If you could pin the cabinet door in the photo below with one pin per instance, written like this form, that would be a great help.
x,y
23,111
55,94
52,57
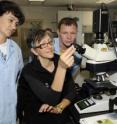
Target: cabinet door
x,y
87,18
87,21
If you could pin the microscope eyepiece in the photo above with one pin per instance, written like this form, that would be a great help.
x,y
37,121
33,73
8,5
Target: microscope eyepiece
x,y
79,49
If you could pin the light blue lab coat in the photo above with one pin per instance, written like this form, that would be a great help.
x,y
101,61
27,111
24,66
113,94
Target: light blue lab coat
x,y
9,70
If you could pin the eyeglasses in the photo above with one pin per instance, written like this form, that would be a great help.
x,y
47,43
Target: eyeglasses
x,y
44,45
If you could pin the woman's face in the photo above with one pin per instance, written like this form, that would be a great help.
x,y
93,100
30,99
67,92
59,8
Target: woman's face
x,y
45,47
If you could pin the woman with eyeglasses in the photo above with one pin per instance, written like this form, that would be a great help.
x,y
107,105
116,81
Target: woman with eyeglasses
x,y
46,87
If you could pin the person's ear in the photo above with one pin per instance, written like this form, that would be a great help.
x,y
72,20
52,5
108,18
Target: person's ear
x,y
34,51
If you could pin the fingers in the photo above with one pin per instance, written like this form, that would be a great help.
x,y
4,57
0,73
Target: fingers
x,y
67,59
56,110
51,109
70,51
45,108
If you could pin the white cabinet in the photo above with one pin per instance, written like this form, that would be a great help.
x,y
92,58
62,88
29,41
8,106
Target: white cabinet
x,y
87,18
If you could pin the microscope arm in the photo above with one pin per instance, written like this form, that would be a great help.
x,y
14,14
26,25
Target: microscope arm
x,y
97,55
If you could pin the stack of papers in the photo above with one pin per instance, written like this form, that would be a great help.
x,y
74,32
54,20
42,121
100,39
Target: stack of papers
x,y
110,118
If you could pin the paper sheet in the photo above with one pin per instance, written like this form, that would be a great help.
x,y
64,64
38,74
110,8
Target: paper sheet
x,y
110,118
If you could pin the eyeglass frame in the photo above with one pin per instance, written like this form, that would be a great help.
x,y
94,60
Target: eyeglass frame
x,y
41,46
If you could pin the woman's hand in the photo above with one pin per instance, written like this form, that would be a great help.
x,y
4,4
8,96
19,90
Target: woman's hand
x,y
67,58
56,110
45,108
50,109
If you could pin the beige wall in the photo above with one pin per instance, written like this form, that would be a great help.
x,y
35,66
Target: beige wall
x,y
47,15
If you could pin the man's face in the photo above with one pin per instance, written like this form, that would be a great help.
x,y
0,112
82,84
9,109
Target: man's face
x,y
67,35
8,24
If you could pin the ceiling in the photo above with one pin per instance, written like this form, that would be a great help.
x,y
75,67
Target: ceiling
x,y
63,3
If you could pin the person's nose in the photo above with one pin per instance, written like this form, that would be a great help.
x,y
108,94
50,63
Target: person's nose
x,y
14,26
69,36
